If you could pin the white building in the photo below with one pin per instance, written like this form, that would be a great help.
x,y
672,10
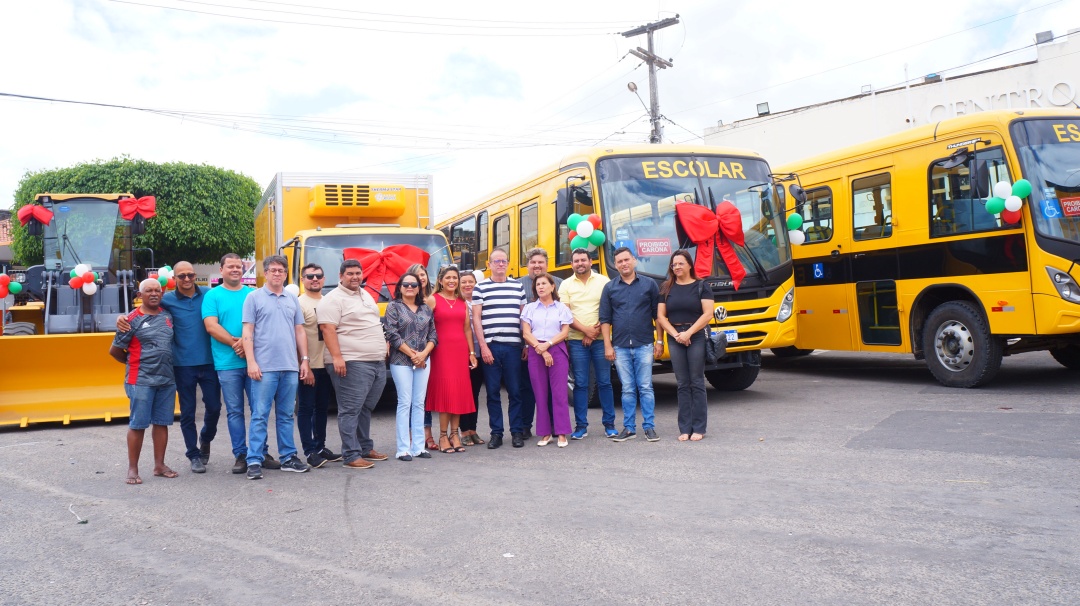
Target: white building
x,y
1052,80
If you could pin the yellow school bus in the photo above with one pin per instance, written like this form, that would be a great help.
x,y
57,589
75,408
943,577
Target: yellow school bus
x,y
904,253
634,190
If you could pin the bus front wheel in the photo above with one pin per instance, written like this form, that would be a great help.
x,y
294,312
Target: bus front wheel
x,y
960,351
733,379
1068,356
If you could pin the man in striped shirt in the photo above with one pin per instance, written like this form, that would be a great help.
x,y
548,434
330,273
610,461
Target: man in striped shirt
x,y
497,304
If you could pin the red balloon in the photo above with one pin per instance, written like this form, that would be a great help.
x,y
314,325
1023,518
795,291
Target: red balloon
x,y
171,284
1011,216
595,220
5,279
153,276
573,234
88,277
3,291
76,282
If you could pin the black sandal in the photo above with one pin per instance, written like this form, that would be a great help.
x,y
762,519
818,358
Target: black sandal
x,y
454,434
449,449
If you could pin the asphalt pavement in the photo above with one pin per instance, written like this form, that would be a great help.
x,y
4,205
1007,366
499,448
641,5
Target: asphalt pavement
x,y
838,478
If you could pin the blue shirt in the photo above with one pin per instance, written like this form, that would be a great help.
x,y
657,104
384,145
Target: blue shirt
x,y
275,317
228,307
630,310
191,342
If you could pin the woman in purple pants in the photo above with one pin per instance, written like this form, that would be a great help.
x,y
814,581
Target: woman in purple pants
x,y
545,324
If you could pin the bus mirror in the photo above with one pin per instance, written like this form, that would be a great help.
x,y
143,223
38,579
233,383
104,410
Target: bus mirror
x,y
958,158
138,225
467,261
798,193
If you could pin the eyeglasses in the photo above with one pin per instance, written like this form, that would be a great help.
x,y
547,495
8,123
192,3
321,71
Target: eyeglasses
x,y
313,276
499,262
275,270
185,276
410,285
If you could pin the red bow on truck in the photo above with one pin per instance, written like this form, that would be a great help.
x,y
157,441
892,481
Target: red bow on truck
x,y
34,211
386,266
145,206
708,230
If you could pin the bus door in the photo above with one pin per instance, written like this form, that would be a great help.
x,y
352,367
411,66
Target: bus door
x,y
822,272
874,308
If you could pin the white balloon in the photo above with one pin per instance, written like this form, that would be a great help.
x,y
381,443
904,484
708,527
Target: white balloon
x,y
292,288
591,247
479,275
165,273
585,229
1014,203
1002,189
90,288
81,269
796,236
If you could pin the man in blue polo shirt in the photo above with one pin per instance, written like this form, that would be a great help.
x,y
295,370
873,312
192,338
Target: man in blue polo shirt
x,y
627,314
275,346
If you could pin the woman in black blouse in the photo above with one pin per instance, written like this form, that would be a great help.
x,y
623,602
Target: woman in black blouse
x,y
410,329
686,307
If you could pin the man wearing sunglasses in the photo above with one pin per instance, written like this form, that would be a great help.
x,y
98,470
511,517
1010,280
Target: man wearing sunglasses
x,y
316,391
193,364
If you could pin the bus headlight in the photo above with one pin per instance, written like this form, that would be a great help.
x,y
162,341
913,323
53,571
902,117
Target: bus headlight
x,y
786,306
1065,285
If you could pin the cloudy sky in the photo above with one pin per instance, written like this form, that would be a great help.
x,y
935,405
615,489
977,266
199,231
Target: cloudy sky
x,y
476,93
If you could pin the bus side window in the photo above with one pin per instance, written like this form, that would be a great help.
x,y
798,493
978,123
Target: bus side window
x,y
463,235
817,215
582,204
482,241
871,199
958,194
501,234
528,225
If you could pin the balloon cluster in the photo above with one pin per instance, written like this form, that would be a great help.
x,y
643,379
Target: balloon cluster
x,y
9,287
82,277
1008,200
795,233
292,288
585,231
165,278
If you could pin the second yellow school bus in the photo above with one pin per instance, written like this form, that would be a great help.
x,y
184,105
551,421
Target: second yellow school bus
x,y
902,254
634,190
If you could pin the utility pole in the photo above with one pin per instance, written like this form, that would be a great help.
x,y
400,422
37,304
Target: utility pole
x,y
649,57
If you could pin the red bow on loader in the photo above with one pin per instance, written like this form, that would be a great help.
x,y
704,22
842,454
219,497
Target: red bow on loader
x,y
145,206
33,211
708,230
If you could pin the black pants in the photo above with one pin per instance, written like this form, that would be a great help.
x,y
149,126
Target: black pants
x,y
468,421
688,362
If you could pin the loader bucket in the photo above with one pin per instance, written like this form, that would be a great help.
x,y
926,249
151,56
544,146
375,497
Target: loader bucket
x,y
65,378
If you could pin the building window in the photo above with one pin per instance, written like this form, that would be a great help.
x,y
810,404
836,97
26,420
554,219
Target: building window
x,y
871,201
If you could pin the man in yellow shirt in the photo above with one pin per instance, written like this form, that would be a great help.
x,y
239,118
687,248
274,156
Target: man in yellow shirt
x,y
582,294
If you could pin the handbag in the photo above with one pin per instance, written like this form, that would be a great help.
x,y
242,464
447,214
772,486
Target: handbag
x,y
715,346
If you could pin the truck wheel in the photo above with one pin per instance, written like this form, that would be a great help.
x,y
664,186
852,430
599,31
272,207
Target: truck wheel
x,y
19,328
732,379
790,352
1068,356
960,351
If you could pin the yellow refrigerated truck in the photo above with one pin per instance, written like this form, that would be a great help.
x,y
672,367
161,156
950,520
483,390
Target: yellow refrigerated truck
x,y
313,217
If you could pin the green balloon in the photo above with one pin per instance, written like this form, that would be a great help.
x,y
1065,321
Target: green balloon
x,y
579,242
597,237
573,220
15,288
73,274
1022,188
994,206
794,222
162,280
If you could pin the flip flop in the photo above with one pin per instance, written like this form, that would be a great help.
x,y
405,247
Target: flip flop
x,y
134,480
168,473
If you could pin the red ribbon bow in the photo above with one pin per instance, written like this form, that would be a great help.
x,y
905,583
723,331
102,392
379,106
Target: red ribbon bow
x,y
386,266
34,211
708,230
145,206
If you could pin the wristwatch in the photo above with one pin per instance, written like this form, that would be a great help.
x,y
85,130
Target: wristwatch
x,y
302,358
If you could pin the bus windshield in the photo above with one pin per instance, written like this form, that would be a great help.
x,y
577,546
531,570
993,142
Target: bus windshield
x,y
639,195
1049,151
327,250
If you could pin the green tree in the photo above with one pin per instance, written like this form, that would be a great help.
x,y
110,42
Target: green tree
x,y
203,211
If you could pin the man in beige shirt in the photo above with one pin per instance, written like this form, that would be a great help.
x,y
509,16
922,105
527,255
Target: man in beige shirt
x,y
355,349
316,390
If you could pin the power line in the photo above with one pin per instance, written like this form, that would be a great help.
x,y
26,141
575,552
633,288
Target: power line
x,y
346,10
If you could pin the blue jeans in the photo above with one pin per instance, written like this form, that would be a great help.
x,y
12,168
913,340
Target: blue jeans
x,y
234,385
277,389
581,359
504,370
312,404
411,392
634,365
187,379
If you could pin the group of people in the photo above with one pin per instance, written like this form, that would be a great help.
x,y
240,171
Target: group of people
x,y
294,355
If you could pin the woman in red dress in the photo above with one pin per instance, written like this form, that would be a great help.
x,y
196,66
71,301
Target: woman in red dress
x,y
451,360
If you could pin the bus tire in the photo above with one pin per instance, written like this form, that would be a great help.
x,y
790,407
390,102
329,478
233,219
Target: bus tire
x,y
1068,356
960,351
732,379
790,352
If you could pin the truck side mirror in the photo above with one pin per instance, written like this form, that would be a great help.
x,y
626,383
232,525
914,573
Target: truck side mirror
x,y
138,225
467,260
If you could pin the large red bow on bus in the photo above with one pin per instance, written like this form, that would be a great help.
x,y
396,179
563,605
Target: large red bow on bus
x,y
34,211
708,230
386,266
145,206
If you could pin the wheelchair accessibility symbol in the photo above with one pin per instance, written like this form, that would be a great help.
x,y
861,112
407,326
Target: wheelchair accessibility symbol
x,y
819,271
1051,208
